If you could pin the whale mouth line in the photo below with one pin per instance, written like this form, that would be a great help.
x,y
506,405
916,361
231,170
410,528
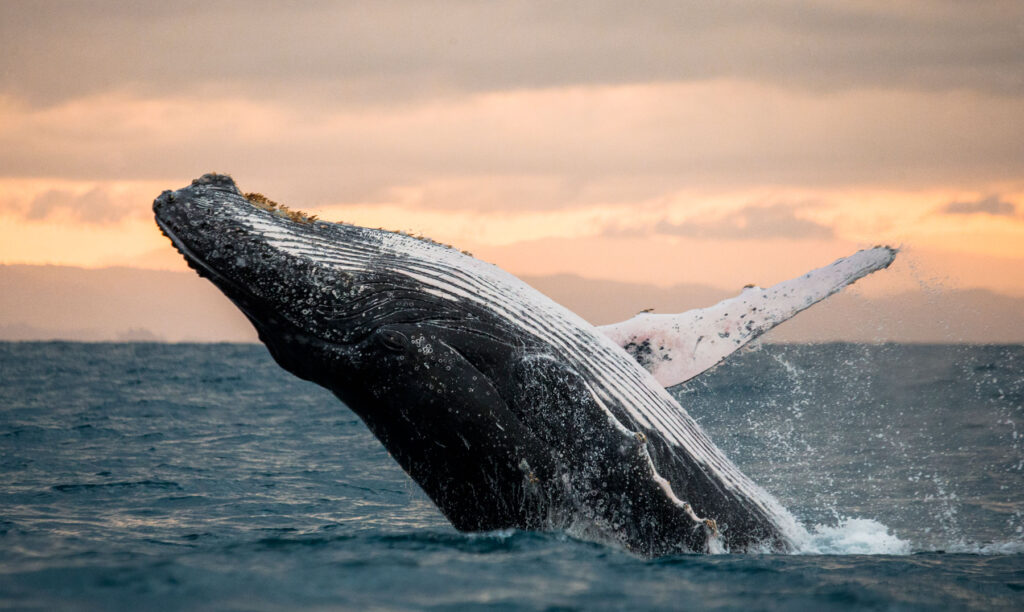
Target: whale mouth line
x,y
204,269
194,261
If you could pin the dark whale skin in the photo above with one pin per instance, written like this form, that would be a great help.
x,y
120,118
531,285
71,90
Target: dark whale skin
x,y
500,408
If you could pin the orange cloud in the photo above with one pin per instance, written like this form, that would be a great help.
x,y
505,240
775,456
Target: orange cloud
x,y
699,166
611,240
991,205
557,147
776,221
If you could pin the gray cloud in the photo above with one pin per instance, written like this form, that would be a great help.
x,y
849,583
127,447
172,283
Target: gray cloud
x,y
992,205
749,223
537,149
93,206
392,51
323,103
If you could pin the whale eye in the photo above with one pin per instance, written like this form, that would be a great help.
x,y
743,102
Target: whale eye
x,y
394,340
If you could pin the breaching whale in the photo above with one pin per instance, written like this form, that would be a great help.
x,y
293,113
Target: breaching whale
x,y
507,409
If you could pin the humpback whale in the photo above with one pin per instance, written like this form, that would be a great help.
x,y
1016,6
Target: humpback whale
x,y
507,409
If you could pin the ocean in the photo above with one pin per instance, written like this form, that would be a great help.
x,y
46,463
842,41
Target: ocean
x,y
204,477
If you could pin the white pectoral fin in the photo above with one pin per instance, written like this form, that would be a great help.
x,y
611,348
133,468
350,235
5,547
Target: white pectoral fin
x,y
675,348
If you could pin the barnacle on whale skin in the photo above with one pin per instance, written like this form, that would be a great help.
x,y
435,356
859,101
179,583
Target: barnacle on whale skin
x,y
261,201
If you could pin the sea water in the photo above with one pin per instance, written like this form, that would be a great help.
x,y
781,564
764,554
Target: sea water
x,y
204,477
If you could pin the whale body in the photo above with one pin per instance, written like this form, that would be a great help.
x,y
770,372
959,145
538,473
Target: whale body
x,y
507,409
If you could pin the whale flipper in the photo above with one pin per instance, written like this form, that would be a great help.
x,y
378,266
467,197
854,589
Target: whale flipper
x,y
677,347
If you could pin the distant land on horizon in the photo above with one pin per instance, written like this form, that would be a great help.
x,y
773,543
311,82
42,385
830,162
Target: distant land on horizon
x,y
131,304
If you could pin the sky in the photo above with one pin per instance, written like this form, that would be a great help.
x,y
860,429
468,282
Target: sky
x,y
720,143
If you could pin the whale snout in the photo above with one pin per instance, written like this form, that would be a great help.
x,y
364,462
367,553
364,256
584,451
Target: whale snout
x,y
161,203
169,210
188,213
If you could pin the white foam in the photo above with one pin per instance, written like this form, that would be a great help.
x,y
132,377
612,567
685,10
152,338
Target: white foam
x,y
858,536
854,536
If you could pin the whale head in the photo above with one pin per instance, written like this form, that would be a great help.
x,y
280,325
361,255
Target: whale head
x,y
376,317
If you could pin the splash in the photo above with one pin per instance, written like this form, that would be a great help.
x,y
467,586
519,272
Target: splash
x,y
854,536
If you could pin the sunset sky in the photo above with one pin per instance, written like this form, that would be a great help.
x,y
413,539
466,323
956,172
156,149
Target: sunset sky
x,y
666,142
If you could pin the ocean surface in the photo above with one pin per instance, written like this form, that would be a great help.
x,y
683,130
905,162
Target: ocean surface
x,y
204,477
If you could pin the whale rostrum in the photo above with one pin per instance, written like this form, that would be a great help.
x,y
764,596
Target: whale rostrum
x,y
507,409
